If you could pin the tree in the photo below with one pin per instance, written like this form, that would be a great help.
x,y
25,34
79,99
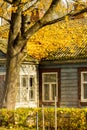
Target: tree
x,y
26,18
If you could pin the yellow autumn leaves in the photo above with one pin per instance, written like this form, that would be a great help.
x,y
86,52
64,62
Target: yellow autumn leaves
x,y
66,34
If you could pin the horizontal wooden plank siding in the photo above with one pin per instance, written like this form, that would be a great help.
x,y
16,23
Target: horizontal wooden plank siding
x,y
69,87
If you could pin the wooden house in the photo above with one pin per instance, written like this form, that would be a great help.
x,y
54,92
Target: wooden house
x,y
64,75
60,75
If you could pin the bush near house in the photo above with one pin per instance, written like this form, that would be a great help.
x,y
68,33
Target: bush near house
x,y
26,118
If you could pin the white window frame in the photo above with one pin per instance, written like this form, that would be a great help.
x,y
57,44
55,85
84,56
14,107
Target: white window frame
x,y
27,87
50,86
32,89
82,86
21,88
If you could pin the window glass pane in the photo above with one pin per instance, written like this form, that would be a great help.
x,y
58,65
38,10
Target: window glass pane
x,y
85,91
24,80
46,91
24,88
31,82
85,76
31,95
53,91
50,77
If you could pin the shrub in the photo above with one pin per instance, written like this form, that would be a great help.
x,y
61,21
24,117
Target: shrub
x,y
67,118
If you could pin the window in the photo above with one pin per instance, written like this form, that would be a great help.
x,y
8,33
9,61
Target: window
x,y
24,88
24,80
49,86
84,86
31,89
27,88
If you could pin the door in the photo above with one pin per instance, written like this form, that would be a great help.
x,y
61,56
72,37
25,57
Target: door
x,y
27,88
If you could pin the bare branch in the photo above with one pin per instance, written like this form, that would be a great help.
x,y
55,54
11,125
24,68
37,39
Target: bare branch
x,y
50,13
79,12
32,30
8,1
67,5
28,5
44,21
63,17
40,22
52,5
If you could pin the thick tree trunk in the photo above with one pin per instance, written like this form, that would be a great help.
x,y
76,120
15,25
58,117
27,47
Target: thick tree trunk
x,y
15,48
11,83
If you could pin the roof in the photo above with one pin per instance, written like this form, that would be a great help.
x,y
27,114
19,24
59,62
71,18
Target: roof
x,y
61,56
65,55
30,59
80,53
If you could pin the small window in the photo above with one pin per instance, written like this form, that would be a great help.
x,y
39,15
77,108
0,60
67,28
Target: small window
x,y
49,86
84,86
24,80
32,87
27,88
31,81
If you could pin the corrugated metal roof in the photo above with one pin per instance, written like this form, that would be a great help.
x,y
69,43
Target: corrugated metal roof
x,y
79,54
60,54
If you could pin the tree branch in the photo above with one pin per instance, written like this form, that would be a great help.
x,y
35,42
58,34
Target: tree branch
x,y
8,1
38,24
52,5
79,12
63,17
44,21
28,5
50,13
32,30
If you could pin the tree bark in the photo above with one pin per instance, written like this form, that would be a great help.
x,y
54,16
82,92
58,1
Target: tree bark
x,y
16,45
11,83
